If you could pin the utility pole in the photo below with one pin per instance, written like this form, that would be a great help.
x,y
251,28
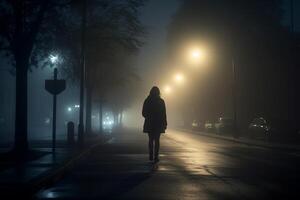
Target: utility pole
x,y
82,74
54,116
236,133
292,16
54,87
294,66
234,100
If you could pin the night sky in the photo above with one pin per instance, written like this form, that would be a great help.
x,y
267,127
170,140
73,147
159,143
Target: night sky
x,y
156,15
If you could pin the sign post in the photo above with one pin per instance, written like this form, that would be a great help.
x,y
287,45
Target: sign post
x,y
54,87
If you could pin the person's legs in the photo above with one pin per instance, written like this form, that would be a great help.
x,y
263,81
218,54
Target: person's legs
x,y
150,145
156,148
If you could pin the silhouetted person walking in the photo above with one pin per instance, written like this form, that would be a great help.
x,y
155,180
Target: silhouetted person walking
x,y
154,112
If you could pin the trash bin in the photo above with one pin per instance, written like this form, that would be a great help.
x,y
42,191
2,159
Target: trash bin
x,y
71,134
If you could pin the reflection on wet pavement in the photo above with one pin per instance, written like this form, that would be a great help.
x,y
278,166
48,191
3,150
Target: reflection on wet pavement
x,y
191,167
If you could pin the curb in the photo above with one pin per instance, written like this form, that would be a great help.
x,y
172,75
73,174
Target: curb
x,y
49,177
270,146
55,174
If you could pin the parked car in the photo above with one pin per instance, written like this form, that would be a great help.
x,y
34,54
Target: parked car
x,y
224,125
272,129
197,125
209,126
259,129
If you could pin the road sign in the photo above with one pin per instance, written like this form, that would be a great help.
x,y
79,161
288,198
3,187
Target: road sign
x,y
55,86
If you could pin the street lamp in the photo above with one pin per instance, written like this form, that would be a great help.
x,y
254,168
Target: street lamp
x,y
53,58
234,100
179,78
167,89
196,55
82,73
69,109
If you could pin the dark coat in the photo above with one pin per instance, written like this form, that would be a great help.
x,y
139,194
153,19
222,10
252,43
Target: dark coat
x,y
154,112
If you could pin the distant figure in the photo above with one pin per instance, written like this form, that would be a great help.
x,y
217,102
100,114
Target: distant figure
x,y
154,112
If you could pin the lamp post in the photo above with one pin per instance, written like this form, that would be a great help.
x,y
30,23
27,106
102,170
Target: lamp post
x,y
234,102
196,55
294,66
82,74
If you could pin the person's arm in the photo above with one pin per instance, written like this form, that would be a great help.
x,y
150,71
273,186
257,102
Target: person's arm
x,y
165,115
145,109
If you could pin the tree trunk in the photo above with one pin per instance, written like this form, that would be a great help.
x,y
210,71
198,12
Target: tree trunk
x,y
21,140
22,45
88,119
100,117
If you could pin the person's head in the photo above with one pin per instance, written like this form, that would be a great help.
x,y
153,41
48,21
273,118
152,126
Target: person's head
x,y
154,92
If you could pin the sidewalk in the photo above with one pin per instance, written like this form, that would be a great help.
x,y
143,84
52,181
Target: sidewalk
x,y
25,178
247,141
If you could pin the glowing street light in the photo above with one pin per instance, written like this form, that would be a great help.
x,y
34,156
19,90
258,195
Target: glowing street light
x,y
179,78
167,89
69,109
53,58
196,55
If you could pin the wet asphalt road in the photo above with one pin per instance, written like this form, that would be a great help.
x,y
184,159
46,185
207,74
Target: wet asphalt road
x,y
191,167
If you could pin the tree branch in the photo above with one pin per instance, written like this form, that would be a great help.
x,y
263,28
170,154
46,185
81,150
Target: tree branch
x,y
32,34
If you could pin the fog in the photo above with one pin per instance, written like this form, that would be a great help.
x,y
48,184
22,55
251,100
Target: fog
x,y
204,94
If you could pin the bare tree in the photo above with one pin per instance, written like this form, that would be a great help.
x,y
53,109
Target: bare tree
x,y
24,38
